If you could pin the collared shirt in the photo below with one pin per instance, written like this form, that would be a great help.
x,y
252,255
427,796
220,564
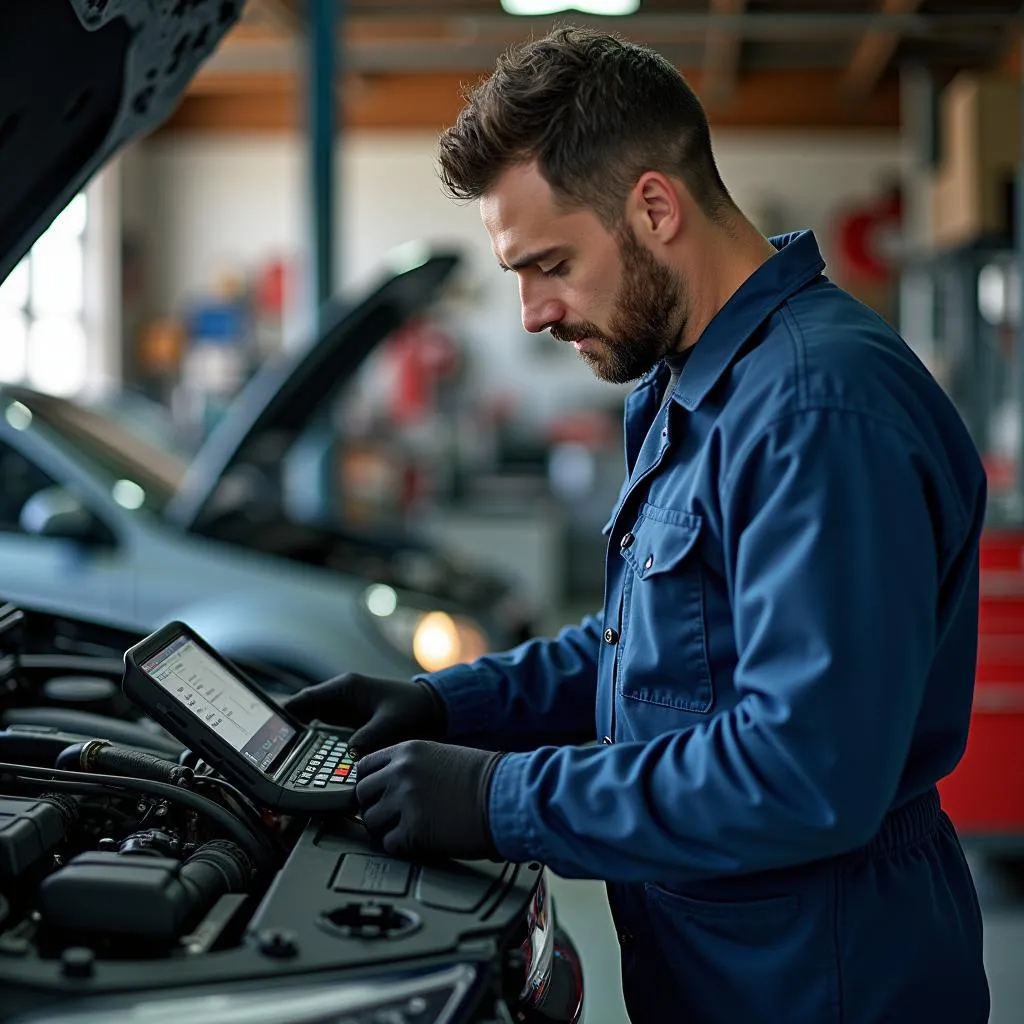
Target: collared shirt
x,y
787,645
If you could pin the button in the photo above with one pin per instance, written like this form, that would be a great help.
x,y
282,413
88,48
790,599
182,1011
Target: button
x,y
319,783
627,539
610,636
649,562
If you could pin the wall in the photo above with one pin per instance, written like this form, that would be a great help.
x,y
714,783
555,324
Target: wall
x,y
216,203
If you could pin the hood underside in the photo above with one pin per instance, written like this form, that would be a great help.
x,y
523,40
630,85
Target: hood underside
x,y
80,79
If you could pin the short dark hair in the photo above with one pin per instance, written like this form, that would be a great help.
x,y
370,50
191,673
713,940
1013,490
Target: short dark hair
x,y
596,112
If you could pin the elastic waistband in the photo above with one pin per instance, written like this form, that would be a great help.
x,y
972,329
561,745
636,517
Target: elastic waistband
x,y
915,820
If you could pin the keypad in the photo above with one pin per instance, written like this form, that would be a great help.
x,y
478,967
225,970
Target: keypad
x,y
330,764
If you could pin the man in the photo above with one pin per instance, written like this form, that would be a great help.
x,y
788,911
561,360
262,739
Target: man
x,y
784,664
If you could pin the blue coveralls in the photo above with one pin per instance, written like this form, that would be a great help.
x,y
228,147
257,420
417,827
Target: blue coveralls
x,y
782,671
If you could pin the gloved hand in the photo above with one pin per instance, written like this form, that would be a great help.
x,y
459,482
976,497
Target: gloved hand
x,y
382,711
427,800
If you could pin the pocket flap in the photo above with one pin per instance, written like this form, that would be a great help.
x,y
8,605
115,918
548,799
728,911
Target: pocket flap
x,y
662,538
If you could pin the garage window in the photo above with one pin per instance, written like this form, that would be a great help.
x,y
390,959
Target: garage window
x,y
42,309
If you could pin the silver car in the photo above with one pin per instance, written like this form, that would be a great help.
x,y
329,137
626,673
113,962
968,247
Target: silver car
x,y
97,522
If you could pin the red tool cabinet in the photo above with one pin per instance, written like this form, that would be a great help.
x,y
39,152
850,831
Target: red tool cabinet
x,y
985,794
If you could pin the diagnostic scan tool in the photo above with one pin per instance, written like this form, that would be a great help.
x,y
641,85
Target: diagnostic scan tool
x,y
209,705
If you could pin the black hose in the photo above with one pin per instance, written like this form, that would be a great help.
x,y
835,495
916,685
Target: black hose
x,y
254,843
103,756
217,868
68,809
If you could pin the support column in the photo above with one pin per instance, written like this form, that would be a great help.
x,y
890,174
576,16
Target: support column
x,y
324,70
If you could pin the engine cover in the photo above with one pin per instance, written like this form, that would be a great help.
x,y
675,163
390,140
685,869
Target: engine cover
x,y
29,830
337,905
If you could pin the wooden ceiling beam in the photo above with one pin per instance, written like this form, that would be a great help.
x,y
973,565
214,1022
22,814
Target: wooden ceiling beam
x,y
721,56
271,102
873,52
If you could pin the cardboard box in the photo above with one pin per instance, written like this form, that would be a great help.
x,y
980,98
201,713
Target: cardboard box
x,y
980,145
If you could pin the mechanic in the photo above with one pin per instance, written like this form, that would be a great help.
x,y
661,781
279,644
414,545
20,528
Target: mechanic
x,y
784,664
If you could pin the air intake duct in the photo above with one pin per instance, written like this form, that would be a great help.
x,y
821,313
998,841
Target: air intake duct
x,y
134,894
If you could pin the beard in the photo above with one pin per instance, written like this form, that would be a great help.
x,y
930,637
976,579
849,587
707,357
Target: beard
x,y
651,310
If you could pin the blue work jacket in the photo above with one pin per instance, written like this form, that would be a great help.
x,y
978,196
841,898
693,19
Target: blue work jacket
x,y
785,654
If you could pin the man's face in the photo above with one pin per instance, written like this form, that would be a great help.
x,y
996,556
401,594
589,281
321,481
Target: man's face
x,y
605,292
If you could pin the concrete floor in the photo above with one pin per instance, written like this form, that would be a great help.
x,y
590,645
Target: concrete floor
x,y
583,911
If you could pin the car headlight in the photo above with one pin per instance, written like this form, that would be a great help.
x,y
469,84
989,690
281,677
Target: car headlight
x,y
425,999
435,639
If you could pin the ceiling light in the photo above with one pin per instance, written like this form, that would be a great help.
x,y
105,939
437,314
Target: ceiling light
x,y
534,7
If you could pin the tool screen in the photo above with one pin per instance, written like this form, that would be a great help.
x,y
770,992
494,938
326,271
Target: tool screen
x,y
220,701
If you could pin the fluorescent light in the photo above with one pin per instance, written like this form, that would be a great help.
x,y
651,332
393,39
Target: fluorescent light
x,y
534,7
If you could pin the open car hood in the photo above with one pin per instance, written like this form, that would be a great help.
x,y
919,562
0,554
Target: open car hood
x,y
80,79
285,394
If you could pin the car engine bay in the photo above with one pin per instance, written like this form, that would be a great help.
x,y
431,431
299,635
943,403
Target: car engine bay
x,y
136,881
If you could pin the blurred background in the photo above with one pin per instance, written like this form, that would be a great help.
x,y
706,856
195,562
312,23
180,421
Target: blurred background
x,y
264,325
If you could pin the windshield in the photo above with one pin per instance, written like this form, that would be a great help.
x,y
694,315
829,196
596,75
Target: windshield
x,y
139,473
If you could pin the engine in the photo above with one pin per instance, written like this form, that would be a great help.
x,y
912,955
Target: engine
x,y
133,876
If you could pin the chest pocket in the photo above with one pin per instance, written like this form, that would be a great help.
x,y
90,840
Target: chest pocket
x,y
664,658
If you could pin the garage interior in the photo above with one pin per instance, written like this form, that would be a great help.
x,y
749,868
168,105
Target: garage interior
x,y
197,295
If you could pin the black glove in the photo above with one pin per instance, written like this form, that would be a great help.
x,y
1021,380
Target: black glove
x,y
427,800
382,711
